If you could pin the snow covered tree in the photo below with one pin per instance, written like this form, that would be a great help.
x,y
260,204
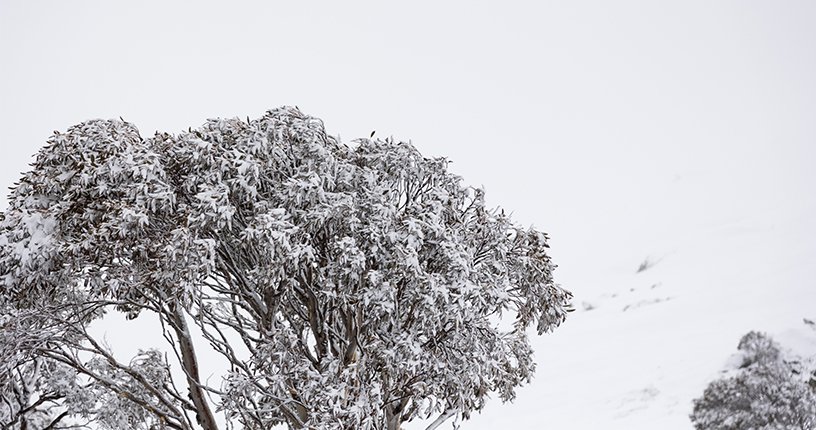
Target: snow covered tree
x,y
766,392
343,286
26,400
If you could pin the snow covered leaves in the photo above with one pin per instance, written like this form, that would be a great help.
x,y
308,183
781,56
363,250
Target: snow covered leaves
x,y
85,209
766,391
344,286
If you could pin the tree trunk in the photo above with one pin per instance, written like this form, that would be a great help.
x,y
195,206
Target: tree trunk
x,y
204,414
393,414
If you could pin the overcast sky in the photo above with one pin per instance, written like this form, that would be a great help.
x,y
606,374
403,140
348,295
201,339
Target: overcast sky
x,y
611,125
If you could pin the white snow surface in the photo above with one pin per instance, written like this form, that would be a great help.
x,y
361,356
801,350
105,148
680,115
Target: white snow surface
x,y
641,346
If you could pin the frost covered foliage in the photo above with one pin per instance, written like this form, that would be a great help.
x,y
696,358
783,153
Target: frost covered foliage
x,y
766,392
26,402
344,287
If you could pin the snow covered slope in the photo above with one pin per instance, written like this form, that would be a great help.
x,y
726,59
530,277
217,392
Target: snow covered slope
x,y
642,345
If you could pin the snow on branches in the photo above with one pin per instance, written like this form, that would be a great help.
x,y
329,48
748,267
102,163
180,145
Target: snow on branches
x,y
344,286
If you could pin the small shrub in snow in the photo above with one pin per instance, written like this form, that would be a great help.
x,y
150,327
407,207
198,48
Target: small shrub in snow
x,y
758,348
766,392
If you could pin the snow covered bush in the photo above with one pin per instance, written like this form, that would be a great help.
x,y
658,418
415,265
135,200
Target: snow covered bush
x,y
758,348
765,392
343,287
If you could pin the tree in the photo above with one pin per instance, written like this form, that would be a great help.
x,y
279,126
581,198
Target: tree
x,y
342,286
765,392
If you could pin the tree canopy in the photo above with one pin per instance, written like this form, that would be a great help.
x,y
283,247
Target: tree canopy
x,y
343,286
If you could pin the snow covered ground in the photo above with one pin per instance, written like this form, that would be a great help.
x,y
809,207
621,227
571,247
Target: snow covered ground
x,y
641,346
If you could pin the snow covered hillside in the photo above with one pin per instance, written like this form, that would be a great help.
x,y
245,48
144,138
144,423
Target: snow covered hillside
x,y
642,346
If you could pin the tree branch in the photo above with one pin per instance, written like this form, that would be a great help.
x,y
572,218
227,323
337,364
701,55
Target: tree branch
x,y
442,418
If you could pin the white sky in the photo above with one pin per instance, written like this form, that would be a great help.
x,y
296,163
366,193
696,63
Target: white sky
x,y
611,125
